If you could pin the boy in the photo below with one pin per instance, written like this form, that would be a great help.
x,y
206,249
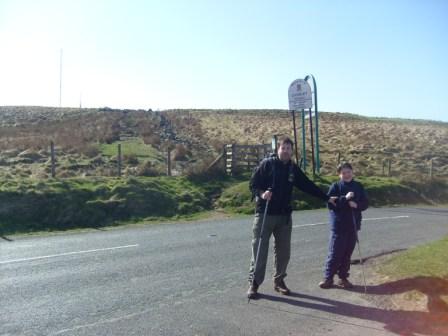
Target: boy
x,y
345,221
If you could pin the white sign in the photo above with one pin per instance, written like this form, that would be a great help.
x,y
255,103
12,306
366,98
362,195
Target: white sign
x,y
300,96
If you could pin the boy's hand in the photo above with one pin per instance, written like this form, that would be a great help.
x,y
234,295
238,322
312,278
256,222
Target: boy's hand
x,y
350,195
332,200
353,204
267,195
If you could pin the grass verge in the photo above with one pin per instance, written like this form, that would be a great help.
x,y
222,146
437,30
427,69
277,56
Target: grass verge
x,y
45,205
29,205
417,280
429,260
381,191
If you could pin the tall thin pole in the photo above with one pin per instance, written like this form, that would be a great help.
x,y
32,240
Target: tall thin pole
x,y
303,141
295,135
316,116
60,79
312,143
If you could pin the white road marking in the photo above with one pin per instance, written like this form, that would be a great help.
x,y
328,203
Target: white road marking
x,y
66,254
364,219
111,320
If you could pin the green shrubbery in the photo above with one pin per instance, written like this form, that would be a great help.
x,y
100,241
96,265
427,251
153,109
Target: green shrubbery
x,y
381,191
28,205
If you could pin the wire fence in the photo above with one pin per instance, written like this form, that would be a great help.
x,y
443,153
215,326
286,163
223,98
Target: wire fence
x,y
120,161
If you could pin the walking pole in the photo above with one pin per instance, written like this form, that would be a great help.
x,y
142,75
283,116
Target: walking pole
x,y
359,251
259,241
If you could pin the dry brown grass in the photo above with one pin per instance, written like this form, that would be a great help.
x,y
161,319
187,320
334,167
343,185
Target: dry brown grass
x,y
364,141
199,135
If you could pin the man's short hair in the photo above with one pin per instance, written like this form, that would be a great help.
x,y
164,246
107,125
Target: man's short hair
x,y
344,165
285,141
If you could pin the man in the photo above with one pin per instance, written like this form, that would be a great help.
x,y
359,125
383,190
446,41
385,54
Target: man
x,y
273,180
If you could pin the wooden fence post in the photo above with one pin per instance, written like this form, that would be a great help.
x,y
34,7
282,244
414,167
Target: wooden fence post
x,y
431,168
168,161
119,160
53,159
234,149
224,156
274,144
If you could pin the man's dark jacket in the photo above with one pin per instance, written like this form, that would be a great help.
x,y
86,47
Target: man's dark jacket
x,y
281,177
343,218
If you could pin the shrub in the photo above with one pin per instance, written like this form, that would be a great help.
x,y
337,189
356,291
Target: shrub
x,y
130,159
90,151
153,140
148,168
180,153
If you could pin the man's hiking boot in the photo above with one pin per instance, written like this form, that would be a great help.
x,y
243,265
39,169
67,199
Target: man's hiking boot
x,y
326,284
344,283
252,292
280,286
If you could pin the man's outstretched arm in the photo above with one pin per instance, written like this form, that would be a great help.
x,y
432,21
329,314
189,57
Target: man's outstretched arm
x,y
302,182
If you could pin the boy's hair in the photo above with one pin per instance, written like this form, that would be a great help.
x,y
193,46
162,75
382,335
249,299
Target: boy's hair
x,y
344,165
285,140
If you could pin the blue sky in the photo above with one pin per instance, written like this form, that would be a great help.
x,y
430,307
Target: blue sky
x,y
376,58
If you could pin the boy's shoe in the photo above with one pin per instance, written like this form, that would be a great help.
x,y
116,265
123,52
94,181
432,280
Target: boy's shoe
x,y
252,292
344,283
280,287
326,284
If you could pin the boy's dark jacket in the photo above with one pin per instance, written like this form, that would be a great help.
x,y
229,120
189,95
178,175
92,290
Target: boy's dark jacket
x,y
273,173
342,215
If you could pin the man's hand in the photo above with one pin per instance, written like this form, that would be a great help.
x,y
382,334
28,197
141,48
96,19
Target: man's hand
x,y
353,204
267,195
350,195
332,200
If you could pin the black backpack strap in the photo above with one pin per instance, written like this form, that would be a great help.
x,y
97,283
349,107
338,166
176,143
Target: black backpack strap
x,y
340,188
272,158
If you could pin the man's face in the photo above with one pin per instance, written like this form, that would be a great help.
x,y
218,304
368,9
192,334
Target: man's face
x,y
285,152
346,174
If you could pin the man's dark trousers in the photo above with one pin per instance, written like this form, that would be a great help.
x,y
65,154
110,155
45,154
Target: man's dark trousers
x,y
281,227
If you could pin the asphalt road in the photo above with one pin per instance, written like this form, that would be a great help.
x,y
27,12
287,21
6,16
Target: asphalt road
x,y
190,279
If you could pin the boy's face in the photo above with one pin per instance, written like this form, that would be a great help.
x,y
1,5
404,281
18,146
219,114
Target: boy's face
x,y
346,174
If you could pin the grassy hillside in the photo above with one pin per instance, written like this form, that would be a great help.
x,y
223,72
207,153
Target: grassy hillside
x,y
86,140
85,191
367,142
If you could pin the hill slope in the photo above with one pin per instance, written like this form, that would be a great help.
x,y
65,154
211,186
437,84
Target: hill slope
x,y
80,136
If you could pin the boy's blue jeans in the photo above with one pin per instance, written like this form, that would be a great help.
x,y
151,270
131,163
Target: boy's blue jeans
x,y
339,253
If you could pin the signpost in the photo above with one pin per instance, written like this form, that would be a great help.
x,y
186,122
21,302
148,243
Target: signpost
x,y
300,98
316,118
300,95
